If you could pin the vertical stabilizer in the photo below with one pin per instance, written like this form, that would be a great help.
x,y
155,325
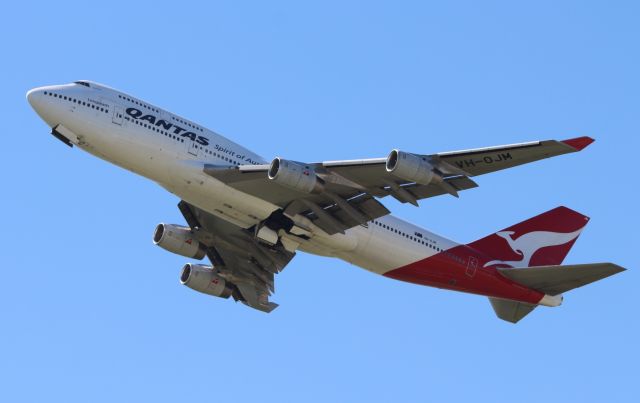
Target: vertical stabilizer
x,y
539,241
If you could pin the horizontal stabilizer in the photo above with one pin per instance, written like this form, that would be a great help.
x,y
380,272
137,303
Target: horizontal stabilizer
x,y
511,311
554,280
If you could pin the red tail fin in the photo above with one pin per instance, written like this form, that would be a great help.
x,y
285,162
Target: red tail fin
x,y
539,241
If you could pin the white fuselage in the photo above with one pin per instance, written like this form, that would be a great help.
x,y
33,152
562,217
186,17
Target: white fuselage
x,y
171,151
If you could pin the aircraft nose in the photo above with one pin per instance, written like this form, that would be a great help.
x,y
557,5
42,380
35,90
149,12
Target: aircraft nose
x,y
41,101
34,97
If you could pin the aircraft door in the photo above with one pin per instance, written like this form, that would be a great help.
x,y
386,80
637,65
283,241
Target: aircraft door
x,y
118,115
472,266
192,147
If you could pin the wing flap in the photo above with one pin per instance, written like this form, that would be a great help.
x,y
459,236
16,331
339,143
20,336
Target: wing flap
x,y
366,205
255,298
239,258
424,191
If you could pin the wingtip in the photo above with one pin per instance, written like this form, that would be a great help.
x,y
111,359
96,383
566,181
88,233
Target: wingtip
x,y
579,143
617,268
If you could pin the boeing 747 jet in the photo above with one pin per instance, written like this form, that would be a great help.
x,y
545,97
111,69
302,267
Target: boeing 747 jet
x,y
249,217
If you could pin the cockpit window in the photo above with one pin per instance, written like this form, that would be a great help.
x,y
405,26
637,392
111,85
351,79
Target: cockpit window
x,y
86,84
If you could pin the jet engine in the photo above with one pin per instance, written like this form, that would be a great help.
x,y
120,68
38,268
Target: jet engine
x,y
179,240
203,279
295,175
410,167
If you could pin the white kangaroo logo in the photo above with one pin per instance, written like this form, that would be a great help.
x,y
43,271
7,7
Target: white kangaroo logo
x,y
528,244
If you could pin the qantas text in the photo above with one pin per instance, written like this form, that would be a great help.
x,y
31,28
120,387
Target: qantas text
x,y
138,114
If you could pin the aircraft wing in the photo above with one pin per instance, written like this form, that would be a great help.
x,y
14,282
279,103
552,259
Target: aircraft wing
x,y
489,159
337,195
239,257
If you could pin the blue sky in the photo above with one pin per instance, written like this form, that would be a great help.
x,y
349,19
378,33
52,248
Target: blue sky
x,y
92,311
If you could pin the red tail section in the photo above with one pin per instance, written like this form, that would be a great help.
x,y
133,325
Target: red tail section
x,y
539,241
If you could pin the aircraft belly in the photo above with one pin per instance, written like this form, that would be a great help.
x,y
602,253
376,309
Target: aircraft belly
x,y
315,248
337,244
383,252
215,197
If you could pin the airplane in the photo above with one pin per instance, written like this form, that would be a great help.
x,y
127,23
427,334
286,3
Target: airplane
x,y
249,216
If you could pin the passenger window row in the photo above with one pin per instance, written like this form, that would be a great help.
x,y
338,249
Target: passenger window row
x,y
418,240
154,129
138,103
184,122
177,138
76,101
223,157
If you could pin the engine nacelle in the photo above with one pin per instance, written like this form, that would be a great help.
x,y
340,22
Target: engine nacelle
x,y
179,240
202,279
294,175
410,167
